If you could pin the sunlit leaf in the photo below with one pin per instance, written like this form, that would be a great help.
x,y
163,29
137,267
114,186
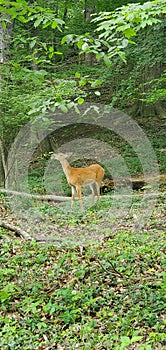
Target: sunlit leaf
x,y
85,46
97,93
38,21
77,75
129,32
81,100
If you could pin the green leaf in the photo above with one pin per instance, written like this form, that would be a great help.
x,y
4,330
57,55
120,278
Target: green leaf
x,y
59,99
146,347
136,338
51,49
22,19
80,43
54,24
95,83
63,108
129,32
3,24
125,42
67,39
4,296
125,341
81,100
85,47
64,39
107,61
77,75
82,81
33,43
99,55
122,55
46,24
38,21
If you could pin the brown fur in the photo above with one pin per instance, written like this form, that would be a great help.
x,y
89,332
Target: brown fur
x,y
78,177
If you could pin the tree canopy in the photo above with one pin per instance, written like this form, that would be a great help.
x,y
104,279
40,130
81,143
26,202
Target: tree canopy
x,y
122,42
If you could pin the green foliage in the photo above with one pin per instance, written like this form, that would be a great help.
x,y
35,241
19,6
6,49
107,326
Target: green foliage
x,y
30,94
108,296
36,78
156,90
23,12
116,29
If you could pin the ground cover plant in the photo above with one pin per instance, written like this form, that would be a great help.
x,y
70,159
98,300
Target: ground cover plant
x,y
105,294
92,279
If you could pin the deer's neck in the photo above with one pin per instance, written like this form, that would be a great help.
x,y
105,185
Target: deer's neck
x,y
66,167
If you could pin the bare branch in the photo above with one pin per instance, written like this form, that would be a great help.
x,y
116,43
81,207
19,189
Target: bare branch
x,y
48,197
16,229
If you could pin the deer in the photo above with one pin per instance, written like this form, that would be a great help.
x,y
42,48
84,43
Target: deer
x,y
91,176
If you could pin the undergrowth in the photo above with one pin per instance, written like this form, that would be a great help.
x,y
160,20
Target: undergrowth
x,y
102,295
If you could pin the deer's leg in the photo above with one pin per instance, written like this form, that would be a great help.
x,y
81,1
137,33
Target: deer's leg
x,y
98,191
93,189
79,192
73,190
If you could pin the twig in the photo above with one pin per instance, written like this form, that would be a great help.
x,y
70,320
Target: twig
x,y
113,268
16,229
112,265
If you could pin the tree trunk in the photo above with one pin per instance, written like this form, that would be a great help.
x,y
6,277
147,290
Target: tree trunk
x,y
6,29
3,166
87,57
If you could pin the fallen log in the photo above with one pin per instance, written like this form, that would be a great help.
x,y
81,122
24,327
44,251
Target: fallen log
x,y
47,197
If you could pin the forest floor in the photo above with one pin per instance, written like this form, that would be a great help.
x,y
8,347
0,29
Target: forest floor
x,y
86,280
94,281
58,224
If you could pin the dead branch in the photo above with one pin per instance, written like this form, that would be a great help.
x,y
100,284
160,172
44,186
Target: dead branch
x,y
114,271
47,197
54,198
15,229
